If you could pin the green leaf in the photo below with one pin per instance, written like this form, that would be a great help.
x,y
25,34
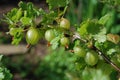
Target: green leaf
x,y
22,5
55,42
101,36
1,76
77,42
26,20
12,12
89,27
17,35
48,18
79,63
105,47
83,28
94,27
8,75
1,57
19,14
111,51
12,15
53,4
13,30
16,40
103,20
104,67
94,74
4,72
30,9
8,20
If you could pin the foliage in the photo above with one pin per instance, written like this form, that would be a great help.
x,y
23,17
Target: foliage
x,y
53,4
94,75
4,72
56,65
80,10
4,39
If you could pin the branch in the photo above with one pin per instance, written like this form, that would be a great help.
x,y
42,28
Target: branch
x,y
77,36
108,60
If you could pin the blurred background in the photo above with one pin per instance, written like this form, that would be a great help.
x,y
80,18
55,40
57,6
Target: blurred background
x,y
40,62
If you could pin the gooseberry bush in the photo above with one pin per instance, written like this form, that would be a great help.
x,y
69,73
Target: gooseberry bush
x,y
95,49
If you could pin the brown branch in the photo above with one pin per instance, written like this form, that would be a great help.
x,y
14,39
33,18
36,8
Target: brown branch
x,y
108,60
77,36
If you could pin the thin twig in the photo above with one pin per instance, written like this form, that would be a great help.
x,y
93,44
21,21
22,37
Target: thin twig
x,y
108,60
77,36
